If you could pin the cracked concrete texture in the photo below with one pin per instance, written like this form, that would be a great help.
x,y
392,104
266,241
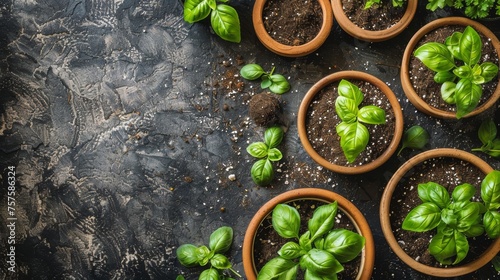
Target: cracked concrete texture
x,y
113,114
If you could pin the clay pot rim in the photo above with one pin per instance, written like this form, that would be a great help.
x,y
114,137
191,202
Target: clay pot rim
x,y
286,50
359,221
302,115
486,257
408,89
368,35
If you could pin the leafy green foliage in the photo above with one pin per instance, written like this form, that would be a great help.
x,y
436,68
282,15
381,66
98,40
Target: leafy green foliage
x,y
416,137
471,8
461,81
354,135
319,252
395,3
223,18
487,134
220,241
456,217
276,83
262,170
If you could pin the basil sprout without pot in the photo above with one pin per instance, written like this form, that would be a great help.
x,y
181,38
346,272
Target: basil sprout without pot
x,y
275,82
267,152
354,135
461,81
487,134
456,217
223,18
319,252
416,137
220,241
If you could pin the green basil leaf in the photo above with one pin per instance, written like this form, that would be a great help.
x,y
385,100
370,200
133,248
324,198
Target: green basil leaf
x,y
322,220
490,190
463,71
180,277
470,46
346,108
443,248
416,137
274,154
448,90
344,244
273,136
320,262
220,261
262,172
354,140
489,71
305,241
209,274
487,131
226,23
196,10
187,255
453,44
463,192
476,229
449,217
221,239
342,127
496,262
435,56
279,269
351,91
445,76
258,149
319,243
495,148
204,255
467,216
291,251
467,97
461,247
251,71
286,221
279,84
491,222
423,217
266,82
310,275
435,193
371,114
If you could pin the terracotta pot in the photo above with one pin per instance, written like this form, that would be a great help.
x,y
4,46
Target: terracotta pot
x,y
354,75
407,85
385,210
286,50
344,205
368,35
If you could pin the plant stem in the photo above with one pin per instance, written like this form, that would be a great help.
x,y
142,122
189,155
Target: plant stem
x,y
234,271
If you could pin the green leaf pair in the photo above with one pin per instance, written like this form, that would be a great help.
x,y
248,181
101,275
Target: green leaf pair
x,y
262,170
320,251
275,82
354,136
456,217
416,137
220,241
488,136
461,84
223,18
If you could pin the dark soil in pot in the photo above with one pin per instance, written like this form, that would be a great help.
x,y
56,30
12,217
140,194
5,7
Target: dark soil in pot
x,y
378,17
268,242
293,22
322,119
423,79
448,172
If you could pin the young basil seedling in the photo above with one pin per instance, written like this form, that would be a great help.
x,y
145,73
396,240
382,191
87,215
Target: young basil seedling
x,y
220,241
457,217
262,170
487,134
395,3
461,82
354,136
223,18
416,137
319,252
275,82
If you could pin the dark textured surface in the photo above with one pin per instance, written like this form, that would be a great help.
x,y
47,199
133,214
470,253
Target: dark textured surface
x,y
123,128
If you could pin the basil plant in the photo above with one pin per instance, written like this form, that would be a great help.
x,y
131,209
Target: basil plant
x,y
223,18
354,135
457,217
276,83
220,241
487,134
457,67
262,170
319,252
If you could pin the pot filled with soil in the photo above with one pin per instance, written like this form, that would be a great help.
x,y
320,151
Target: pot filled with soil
x,y
379,22
462,87
350,122
454,170
262,242
292,28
